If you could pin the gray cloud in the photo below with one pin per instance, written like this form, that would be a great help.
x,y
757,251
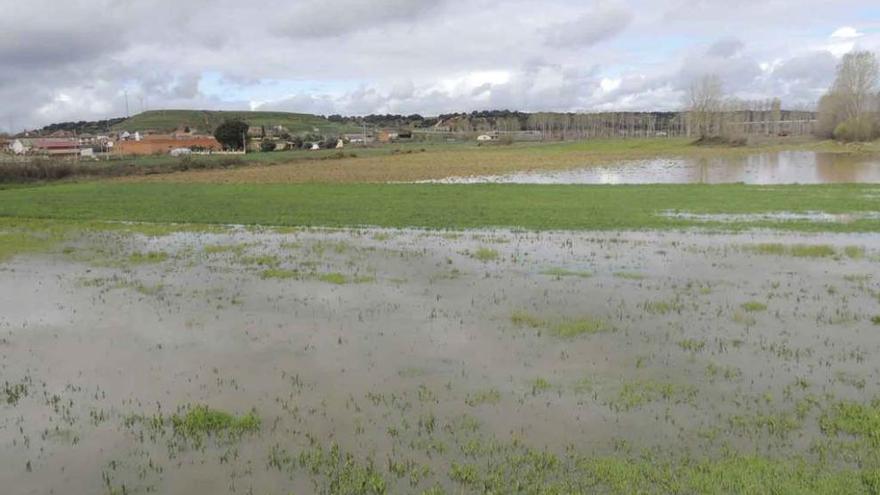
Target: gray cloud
x,y
317,19
74,60
592,27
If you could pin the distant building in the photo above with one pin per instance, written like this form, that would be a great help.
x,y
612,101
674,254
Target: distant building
x,y
164,144
18,147
385,136
46,146
358,138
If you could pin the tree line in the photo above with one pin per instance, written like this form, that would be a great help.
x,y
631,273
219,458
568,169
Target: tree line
x,y
849,111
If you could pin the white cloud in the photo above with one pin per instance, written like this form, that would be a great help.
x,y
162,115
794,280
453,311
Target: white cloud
x,y
846,33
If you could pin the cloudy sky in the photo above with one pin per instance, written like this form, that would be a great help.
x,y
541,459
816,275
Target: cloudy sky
x,y
76,59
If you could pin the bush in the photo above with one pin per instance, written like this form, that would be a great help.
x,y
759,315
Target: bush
x,y
266,146
37,170
856,129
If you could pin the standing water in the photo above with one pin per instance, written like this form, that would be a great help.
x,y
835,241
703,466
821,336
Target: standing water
x,y
786,167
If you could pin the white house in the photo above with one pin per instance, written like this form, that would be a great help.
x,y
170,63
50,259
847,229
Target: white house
x,y
485,137
18,147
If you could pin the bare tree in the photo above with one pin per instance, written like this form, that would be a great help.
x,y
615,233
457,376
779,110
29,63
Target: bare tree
x,y
849,110
704,100
857,78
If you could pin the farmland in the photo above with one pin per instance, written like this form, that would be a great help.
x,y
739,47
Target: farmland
x,y
310,327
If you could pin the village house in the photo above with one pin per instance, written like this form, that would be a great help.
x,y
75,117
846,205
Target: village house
x,y
46,146
358,138
160,144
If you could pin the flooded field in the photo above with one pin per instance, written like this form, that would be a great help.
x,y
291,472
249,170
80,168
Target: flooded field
x,y
786,167
398,361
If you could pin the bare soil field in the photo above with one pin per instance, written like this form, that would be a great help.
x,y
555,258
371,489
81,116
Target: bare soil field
x,y
412,163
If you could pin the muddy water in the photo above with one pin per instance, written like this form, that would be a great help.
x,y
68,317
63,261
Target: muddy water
x,y
787,167
423,326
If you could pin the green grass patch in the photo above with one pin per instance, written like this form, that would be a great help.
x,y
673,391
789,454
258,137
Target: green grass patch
x,y
485,254
565,328
639,393
796,250
753,306
147,257
440,206
17,243
854,252
540,385
562,272
526,319
342,279
692,345
662,307
490,396
236,249
859,420
279,273
586,325
200,420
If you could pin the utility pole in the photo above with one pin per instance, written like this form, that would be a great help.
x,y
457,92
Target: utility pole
x,y
127,114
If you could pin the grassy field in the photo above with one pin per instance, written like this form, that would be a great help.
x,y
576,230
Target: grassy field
x,y
448,206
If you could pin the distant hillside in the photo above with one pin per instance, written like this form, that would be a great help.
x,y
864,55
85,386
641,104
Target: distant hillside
x,y
82,126
208,120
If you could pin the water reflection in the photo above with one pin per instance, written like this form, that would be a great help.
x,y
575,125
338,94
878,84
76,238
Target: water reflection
x,y
787,167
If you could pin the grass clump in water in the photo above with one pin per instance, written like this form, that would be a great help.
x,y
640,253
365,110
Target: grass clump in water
x,y
15,243
491,397
279,274
568,328
629,275
202,420
562,272
585,325
692,345
540,385
662,307
148,257
341,279
237,249
485,254
854,252
637,394
753,306
525,319
796,250
853,418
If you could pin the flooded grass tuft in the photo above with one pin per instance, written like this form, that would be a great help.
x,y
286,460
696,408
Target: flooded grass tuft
x,y
202,420
485,254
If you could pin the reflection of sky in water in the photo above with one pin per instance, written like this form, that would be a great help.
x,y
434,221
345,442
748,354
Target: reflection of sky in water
x,y
787,167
